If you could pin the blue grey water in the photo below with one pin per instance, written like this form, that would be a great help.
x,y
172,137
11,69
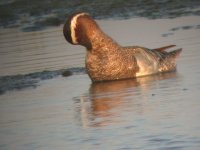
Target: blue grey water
x,y
42,109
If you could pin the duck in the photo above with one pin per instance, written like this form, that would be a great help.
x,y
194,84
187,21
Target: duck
x,y
107,60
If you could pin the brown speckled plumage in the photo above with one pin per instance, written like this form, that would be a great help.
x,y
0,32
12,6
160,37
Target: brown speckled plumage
x,y
107,60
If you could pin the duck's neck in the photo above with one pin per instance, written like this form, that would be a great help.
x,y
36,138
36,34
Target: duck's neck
x,y
92,37
99,41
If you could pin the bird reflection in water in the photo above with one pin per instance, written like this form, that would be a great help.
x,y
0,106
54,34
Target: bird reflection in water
x,y
107,101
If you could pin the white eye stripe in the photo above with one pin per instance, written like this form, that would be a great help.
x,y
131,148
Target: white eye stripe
x,y
73,27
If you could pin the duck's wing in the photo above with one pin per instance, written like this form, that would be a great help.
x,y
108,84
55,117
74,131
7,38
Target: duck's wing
x,y
167,55
147,60
156,53
154,60
164,48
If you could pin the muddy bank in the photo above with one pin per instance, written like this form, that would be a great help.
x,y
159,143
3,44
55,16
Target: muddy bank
x,y
20,82
37,15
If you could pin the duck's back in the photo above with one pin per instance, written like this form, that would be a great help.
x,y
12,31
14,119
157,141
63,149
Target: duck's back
x,y
151,61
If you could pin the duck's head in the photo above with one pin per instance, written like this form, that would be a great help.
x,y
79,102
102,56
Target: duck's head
x,y
79,29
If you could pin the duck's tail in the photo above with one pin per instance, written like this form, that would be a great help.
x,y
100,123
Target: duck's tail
x,y
168,63
175,53
160,49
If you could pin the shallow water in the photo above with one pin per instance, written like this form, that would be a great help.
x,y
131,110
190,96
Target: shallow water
x,y
148,113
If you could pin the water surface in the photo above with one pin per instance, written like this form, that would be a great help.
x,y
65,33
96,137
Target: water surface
x,y
44,110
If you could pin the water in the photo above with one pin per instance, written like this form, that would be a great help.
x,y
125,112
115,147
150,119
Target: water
x,y
42,109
